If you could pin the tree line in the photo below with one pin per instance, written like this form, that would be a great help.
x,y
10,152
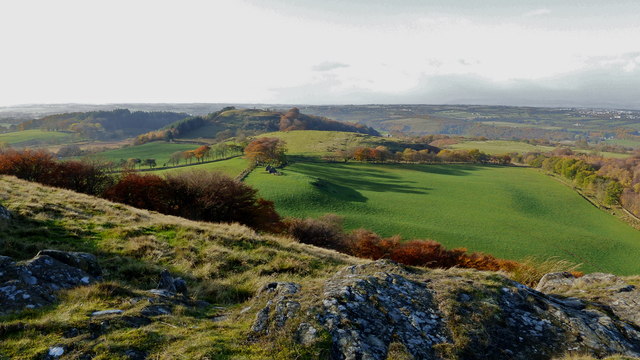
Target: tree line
x,y
382,154
610,181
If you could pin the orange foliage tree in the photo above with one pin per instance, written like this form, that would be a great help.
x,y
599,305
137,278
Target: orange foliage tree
x,y
266,150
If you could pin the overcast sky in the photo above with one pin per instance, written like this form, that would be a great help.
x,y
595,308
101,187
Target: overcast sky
x,y
511,52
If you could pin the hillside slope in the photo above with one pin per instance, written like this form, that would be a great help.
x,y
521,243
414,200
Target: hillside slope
x,y
262,297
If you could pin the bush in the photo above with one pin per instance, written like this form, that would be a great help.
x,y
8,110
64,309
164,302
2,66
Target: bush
x,y
324,232
198,195
142,191
40,166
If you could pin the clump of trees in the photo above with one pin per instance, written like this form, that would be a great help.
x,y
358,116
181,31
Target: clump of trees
x,y
294,120
266,151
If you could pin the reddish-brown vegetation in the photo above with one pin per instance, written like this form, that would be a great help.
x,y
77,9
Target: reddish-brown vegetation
x,y
40,166
205,196
327,232
266,150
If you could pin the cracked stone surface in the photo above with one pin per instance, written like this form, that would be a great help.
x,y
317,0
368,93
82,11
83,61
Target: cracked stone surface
x,y
472,315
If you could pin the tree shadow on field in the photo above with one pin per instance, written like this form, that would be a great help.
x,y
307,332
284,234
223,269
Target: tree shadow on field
x,y
348,179
444,169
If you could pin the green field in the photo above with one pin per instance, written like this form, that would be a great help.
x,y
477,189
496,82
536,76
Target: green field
x,y
505,211
34,136
311,142
624,142
232,167
501,146
161,151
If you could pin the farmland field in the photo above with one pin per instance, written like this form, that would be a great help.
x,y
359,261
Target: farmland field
x,y
501,146
34,136
232,167
161,151
505,211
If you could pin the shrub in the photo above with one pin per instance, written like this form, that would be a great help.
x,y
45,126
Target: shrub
x,y
142,191
324,232
40,166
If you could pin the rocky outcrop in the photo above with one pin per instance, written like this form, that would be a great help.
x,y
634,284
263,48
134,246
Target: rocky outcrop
x,y
609,292
442,314
33,283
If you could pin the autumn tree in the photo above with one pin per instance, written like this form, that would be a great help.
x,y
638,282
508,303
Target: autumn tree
x,y
266,150
201,153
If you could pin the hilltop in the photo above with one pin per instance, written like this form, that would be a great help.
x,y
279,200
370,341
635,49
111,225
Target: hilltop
x,y
253,296
232,122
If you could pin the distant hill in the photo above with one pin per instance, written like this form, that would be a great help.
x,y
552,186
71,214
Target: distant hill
x,y
230,122
118,123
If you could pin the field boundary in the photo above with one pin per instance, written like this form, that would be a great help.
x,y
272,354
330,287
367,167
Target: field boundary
x,y
178,166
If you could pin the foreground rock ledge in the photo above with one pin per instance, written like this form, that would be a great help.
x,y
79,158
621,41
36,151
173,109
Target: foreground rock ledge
x,y
366,309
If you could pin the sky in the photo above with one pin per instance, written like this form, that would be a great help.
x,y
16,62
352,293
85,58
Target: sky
x,y
582,53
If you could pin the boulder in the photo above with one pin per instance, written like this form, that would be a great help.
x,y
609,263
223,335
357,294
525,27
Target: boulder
x,y
33,283
170,285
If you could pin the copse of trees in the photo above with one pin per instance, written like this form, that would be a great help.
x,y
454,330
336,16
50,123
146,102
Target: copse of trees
x,y
266,151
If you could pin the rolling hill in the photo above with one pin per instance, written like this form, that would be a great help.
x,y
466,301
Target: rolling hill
x,y
231,122
115,124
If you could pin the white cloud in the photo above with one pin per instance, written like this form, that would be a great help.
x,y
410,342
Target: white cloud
x,y
537,12
329,65
232,51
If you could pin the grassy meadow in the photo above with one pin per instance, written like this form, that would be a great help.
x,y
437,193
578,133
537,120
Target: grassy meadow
x,y
505,211
161,151
232,167
34,136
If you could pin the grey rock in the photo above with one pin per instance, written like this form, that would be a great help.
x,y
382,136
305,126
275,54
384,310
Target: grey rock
x,y
4,213
306,334
172,285
156,310
280,307
107,312
33,284
610,291
366,308
83,261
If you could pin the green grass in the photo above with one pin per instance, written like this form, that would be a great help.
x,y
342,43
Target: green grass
x,y
311,142
501,146
223,264
161,151
232,167
505,211
33,136
623,142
